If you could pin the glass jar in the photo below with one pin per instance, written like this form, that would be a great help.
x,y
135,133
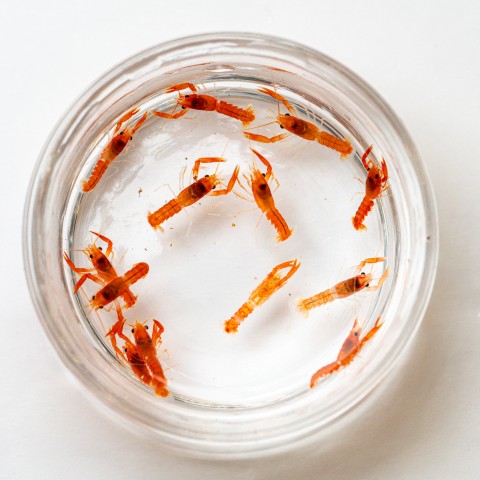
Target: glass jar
x,y
247,394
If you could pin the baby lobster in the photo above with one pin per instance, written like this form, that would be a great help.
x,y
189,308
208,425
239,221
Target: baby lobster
x,y
193,193
141,355
375,185
264,199
345,288
301,128
350,349
207,103
113,149
101,265
118,286
273,282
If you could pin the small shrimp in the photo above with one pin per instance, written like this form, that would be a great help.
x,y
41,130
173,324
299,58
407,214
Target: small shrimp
x,y
118,286
141,356
272,282
264,199
301,128
206,103
147,347
193,193
101,265
350,349
375,185
345,288
113,149
130,353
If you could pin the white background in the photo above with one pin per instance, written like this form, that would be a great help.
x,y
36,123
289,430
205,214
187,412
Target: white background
x,y
423,58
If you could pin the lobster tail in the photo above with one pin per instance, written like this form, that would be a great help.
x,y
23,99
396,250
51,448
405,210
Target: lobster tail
x,y
250,115
344,147
160,389
362,212
97,173
137,272
245,115
231,325
276,219
156,218
302,306
156,370
326,370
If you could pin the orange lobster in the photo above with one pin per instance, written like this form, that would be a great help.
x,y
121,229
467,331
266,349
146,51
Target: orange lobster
x,y
375,185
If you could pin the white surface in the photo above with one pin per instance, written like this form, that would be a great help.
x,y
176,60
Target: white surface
x,y
423,59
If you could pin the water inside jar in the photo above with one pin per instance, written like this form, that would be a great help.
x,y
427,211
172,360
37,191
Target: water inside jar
x,y
213,254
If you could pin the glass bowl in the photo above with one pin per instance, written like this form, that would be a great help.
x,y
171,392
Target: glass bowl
x,y
245,394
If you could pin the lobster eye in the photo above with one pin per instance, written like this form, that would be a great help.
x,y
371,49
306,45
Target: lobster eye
x,y
146,327
131,138
213,188
93,297
263,174
100,248
287,114
367,284
133,330
356,334
121,133
91,256
183,107
186,96
281,126
377,176
363,273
